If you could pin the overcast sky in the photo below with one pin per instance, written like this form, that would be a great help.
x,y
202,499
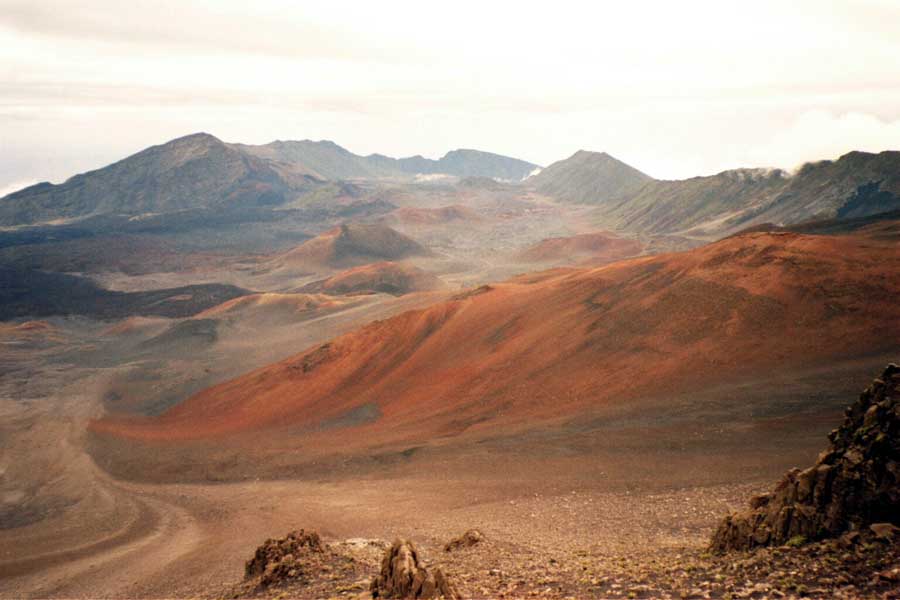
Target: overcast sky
x,y
673,88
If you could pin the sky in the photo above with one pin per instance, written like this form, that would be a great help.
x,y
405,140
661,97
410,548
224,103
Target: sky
x,y
676,89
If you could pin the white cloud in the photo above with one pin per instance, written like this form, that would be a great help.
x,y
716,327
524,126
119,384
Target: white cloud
x,y
819,134
676,89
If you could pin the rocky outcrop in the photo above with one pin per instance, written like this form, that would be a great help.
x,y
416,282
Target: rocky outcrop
x,y
854,483
470,538
285,558
404,576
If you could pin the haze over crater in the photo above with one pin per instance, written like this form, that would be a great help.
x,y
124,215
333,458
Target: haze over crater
x,y
398,79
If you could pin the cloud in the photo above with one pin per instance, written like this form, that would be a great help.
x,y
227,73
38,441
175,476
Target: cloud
x,y
162,26
823,134
677,89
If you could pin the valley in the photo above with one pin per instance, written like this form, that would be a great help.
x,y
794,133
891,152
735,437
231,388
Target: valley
x,y
208,344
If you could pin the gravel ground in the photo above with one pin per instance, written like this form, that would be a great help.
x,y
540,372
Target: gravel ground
x,y
590,545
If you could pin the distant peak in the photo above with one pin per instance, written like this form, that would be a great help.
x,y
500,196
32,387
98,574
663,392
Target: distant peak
x,y
304,141
195,140
861,155
590,153
199,136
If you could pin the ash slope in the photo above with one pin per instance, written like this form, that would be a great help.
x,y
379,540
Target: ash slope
x,y
549,346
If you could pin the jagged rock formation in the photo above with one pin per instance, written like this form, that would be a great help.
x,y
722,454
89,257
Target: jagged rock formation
x,y
470,538
855,482
404,576
284,558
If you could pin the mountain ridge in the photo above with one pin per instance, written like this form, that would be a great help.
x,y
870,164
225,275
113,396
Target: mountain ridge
x,y
194,171
200,171
332,161
857,184
589,177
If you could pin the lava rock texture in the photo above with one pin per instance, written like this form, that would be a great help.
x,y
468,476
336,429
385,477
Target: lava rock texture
x,y
854,483
470,538
285,558
403,575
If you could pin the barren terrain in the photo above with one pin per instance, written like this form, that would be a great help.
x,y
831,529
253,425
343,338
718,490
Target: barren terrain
x,y
597,507
406,369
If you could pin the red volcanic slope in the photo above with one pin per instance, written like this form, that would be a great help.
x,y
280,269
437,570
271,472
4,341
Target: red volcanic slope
x,y
547,346
433,216
386,277
602,246
349,245
31,330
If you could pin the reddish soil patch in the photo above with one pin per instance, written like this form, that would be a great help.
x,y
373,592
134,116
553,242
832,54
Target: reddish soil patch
x,y
386,277
605,247
410,215
350,245
27,329
272,302
523,353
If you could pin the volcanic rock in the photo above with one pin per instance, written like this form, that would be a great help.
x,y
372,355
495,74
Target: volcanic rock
x,y
404,576
466,540
284,558
884,531
854,483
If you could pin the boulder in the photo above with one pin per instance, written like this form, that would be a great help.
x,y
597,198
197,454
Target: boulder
x,y
854,483
284,558
470,538
885,531
404,576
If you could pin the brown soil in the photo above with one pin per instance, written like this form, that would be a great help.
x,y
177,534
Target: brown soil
x,y
542,350
595,248
606,482
610,506
385,277
349,245
410,215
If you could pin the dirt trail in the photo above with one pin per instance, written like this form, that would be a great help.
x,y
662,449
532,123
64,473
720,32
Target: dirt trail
x,y
158,533
548,497
68,529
